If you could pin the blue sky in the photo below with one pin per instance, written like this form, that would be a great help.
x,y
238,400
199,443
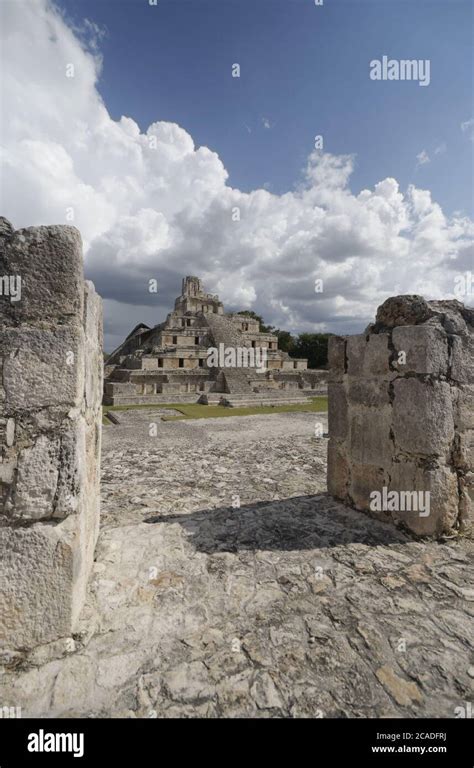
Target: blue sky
x,y
304,71
151,153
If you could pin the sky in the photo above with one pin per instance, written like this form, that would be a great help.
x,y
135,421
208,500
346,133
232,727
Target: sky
x,y
169,165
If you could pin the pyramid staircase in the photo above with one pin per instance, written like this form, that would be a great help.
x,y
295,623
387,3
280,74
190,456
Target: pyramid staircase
x,y
231,385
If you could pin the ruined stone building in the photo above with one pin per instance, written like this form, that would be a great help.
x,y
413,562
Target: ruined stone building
x,y
169,363
51,368
86,630
401,415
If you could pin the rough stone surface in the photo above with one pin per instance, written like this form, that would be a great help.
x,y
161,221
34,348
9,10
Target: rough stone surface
x,y
50,425
369,438
291,605
6,229
401,415
377,355
37,583
340,475
423,420
35,367
338,412
337,354
403,310
425,348
49,261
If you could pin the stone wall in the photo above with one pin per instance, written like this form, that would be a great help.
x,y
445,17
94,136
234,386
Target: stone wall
x,y
50,427
401,416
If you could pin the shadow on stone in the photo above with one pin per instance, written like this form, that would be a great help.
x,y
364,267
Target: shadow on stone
x,y
294,524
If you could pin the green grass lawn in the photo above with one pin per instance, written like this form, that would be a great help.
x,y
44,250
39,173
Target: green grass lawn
x,y
197,411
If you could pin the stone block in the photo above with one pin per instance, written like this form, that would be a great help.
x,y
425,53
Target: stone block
x,y
356,347
51,367
411,420
462,359
33,493
49,261
377,355
423,422
149,363
338,469
425,348
369,392
464,450
466,503
430,515
94,363
93,313
365,479
38,566
42,368
73,469
337,411
409,309
463,398
44,567
337,355
370,436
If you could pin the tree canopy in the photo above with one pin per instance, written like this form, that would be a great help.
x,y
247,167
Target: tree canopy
x,y
313,346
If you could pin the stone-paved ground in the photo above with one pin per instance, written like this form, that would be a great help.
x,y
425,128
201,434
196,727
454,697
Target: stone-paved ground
x,y
291,605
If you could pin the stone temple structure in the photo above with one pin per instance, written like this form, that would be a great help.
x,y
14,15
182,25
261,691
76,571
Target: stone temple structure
x,y
169,363
401,416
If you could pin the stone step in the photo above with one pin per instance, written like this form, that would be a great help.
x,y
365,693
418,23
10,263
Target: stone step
x,y
210,398
170,397
276,394
232,401
236,381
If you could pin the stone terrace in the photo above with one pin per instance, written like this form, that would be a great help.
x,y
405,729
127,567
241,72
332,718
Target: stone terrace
x,y
291,605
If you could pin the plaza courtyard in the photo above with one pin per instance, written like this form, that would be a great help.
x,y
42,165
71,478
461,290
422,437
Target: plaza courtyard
x,y
227,583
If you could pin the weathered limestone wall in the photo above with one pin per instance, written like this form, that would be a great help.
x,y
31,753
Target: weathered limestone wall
x,y
50,427
401,415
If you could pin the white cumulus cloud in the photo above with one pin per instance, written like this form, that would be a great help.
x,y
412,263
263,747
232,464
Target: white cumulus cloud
x,y
152,205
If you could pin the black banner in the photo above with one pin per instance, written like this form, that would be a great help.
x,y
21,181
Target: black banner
x,y
132,742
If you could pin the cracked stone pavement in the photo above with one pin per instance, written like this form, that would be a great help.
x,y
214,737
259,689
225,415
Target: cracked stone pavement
x,y
227,583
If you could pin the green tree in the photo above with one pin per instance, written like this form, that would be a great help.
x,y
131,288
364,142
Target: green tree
x,y
313,346
285,341
264,328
